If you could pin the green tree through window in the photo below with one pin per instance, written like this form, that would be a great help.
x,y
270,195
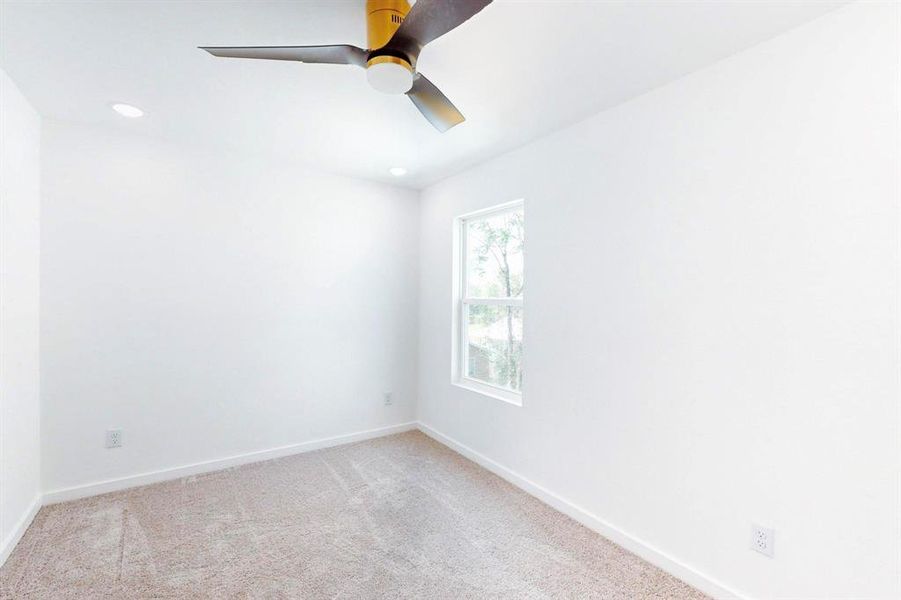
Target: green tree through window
x,y
493,298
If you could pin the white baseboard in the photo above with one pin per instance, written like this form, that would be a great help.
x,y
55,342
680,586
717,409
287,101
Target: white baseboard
x,y
19,530
631,543
115,485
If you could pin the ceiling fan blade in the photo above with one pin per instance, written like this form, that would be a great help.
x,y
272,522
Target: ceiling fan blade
x,y
339,54
429,20
434,105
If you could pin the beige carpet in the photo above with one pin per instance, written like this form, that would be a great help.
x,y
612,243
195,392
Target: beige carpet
x,y
396,517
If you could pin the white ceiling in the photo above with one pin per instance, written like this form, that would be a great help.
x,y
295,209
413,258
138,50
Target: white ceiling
x,y
517,70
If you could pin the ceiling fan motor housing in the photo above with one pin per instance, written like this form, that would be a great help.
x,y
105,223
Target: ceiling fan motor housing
x,y
387,72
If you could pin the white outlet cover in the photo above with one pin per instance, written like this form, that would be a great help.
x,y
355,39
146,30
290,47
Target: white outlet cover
x,y
113,438
763,539
389,400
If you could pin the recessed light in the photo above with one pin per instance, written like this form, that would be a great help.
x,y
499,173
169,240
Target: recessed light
x,y
127,110
397,171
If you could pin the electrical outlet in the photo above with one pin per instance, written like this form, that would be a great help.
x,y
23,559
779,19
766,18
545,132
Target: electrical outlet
x,y
113,438
762,539
388,399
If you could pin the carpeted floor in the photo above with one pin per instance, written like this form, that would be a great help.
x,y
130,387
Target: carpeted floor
x,y
395,517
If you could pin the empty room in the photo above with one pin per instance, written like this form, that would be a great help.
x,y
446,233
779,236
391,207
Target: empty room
x,y
446,299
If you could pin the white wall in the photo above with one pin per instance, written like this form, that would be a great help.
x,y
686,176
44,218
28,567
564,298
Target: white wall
x,y
711,313
210,305
20,135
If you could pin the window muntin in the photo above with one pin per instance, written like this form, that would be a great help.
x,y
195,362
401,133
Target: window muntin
x,y
490,328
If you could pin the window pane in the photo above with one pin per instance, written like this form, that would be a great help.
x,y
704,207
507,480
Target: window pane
x,y
494,256
494,344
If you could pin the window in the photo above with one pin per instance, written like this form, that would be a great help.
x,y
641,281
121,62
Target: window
x,y
488,301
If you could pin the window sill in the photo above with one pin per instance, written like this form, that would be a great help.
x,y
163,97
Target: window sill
x,y
490,391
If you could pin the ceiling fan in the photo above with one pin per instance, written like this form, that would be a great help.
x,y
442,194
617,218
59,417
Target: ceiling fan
x,y
396,36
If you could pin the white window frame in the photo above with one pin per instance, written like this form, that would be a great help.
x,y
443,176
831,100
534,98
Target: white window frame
x,y
459,358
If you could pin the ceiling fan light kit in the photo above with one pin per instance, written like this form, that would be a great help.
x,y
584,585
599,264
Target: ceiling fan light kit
x,y
389,74
396,34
